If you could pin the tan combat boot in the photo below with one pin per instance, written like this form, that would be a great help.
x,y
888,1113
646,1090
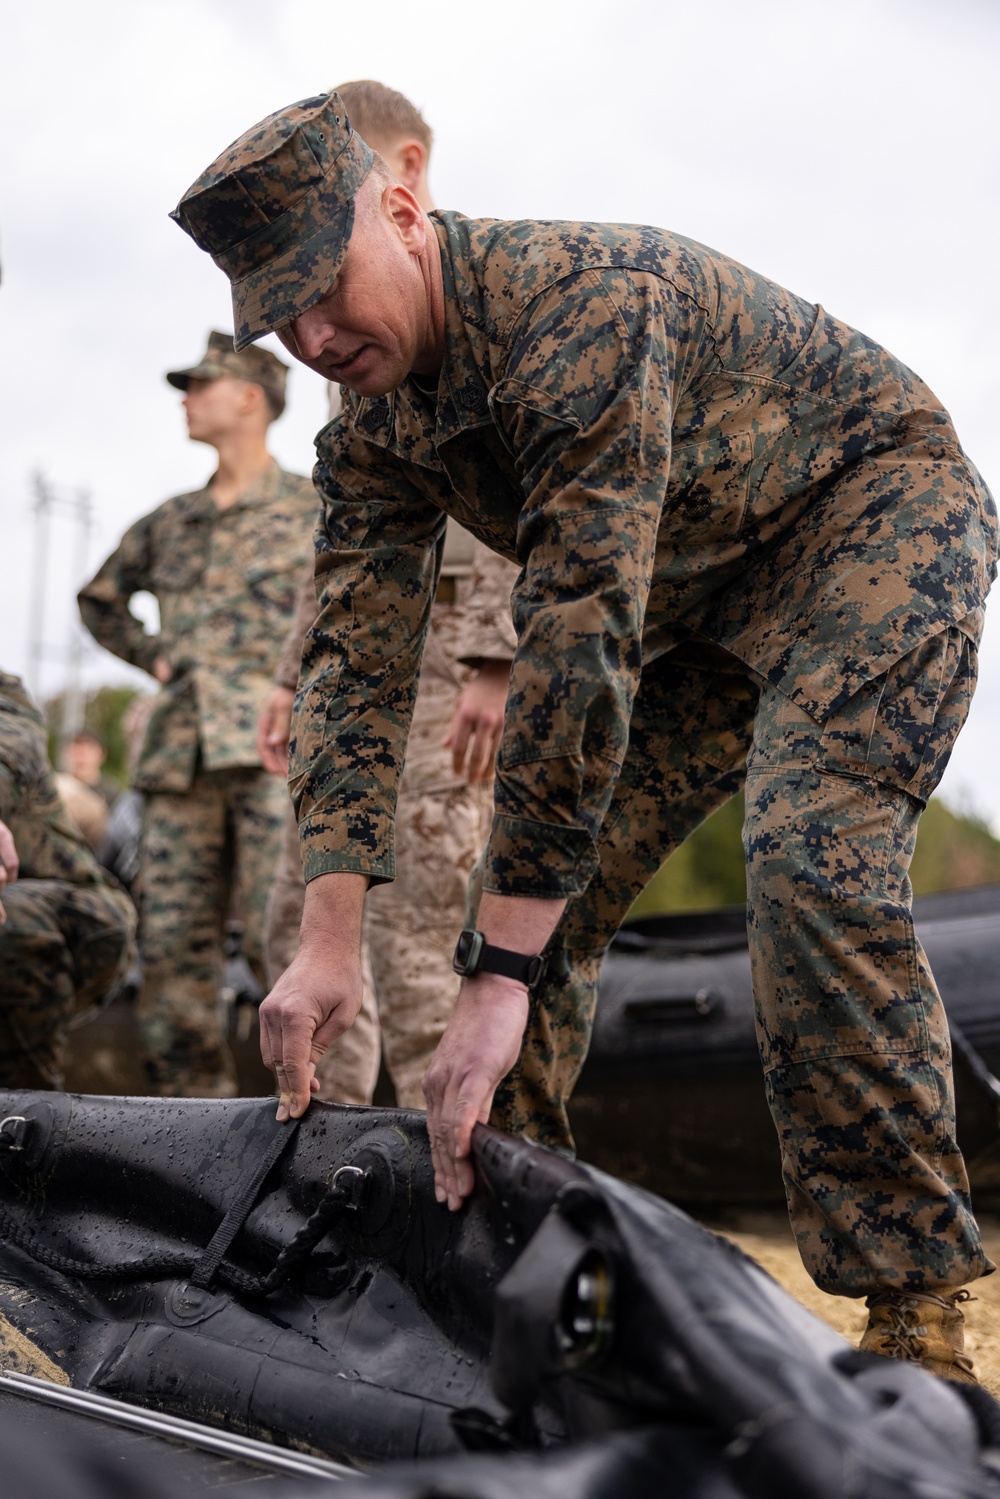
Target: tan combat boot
x,y
920,1328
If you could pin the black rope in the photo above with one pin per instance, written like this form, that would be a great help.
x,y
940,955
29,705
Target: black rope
x,y
346,1194
148,1268
243,1200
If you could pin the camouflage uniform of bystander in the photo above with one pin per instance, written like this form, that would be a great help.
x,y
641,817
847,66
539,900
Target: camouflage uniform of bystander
x,y
225,578
67,927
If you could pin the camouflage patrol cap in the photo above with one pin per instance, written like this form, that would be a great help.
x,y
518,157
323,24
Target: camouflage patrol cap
x,y
221,357
276,209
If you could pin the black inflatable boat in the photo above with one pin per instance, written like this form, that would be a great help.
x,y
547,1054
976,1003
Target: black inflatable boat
x,y
564,1334
672,1096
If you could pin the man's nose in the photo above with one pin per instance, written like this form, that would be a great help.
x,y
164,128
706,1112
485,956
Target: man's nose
x,y
312,332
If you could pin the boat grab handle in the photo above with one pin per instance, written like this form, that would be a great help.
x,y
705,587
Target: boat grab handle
x,y
674,1011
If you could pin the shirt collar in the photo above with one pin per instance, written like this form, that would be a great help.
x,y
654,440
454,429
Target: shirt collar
x,y
263,491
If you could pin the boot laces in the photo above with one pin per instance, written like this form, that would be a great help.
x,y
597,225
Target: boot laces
x,y
899,1333
902,1333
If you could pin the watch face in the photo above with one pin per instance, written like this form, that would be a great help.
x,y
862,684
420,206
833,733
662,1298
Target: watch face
x,y
467,951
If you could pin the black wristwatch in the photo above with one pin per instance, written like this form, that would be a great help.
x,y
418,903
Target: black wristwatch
x,y
473,954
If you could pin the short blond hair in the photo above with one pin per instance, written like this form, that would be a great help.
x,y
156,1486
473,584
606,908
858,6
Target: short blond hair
x,y
383,114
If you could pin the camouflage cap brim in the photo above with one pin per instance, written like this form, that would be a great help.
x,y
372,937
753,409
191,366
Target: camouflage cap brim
x,y
290,284
205,370
276,209
221,357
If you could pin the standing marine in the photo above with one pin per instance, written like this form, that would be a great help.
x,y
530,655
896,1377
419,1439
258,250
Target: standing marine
x,y
224,564
752,552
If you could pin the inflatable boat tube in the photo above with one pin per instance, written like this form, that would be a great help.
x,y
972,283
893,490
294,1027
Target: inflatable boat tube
x,y
671,1096
564,1333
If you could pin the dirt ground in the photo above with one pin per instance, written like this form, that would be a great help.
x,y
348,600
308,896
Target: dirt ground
x,y
767,1238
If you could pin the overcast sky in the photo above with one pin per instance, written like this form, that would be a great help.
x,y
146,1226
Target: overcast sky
x,y
846,148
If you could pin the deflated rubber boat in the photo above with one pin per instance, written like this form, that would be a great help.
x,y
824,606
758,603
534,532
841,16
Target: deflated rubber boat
x,y
672,1096
563,1334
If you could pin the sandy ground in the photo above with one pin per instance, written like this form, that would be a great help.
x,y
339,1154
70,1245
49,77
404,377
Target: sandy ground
x,y
767,1238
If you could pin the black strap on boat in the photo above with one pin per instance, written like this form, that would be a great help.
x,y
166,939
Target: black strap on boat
x,y
246,1195
347,1193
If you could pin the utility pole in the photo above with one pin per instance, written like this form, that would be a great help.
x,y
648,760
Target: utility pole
x,y
79,506
36,648
73,704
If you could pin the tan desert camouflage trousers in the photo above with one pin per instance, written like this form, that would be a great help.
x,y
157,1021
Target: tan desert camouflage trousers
x,y
410,926
852,1031
201,848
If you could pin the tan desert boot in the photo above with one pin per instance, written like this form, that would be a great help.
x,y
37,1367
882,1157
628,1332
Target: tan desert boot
x,y
921,1328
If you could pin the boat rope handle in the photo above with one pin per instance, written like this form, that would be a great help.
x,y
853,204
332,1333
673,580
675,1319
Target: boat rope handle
x,y
244,1198
347,1191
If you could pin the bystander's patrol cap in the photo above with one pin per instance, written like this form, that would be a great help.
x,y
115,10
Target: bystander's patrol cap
x,y
221,357
276,209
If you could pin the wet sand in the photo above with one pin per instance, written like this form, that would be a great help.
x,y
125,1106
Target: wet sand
x,y
767,1238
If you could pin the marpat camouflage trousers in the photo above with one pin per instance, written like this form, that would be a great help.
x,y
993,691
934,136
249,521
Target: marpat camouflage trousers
x,y
201,848
410,926
851,1028
63,947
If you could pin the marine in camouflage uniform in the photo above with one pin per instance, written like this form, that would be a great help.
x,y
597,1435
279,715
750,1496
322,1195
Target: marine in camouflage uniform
x,y
751,549
225,579
441,824
68,931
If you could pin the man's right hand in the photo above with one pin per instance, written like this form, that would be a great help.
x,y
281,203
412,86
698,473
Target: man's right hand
x,y
9,863
312,1004
317,999
274,730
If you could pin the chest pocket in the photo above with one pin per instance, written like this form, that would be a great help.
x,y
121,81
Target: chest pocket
x,y
275,585
180,553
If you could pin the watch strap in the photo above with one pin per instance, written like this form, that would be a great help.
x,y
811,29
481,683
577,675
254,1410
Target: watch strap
x,y
523,967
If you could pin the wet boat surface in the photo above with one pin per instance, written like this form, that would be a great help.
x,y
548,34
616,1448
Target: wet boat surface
x,y
565,1331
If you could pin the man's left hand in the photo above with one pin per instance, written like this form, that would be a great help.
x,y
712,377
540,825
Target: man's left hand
x,y
479,1047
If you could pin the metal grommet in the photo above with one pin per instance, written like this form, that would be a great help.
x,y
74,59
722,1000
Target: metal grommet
x,y
16,1135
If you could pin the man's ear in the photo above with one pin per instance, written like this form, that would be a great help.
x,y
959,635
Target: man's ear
x,y
254,398
407,216
409,159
